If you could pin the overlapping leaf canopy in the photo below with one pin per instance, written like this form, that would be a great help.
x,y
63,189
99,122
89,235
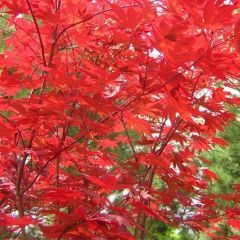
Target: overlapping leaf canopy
x,y
84,81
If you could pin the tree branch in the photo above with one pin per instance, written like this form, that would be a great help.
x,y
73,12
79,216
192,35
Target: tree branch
x,y
38,32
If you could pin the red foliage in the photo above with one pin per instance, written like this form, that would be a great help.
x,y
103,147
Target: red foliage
x,y
103,70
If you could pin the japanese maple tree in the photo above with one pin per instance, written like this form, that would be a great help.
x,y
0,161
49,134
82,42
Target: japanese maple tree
x,y
83,81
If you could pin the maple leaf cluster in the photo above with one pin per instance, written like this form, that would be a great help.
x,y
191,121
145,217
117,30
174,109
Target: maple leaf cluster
x,y
81,80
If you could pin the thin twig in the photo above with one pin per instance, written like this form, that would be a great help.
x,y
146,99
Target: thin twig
x,y
38,32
